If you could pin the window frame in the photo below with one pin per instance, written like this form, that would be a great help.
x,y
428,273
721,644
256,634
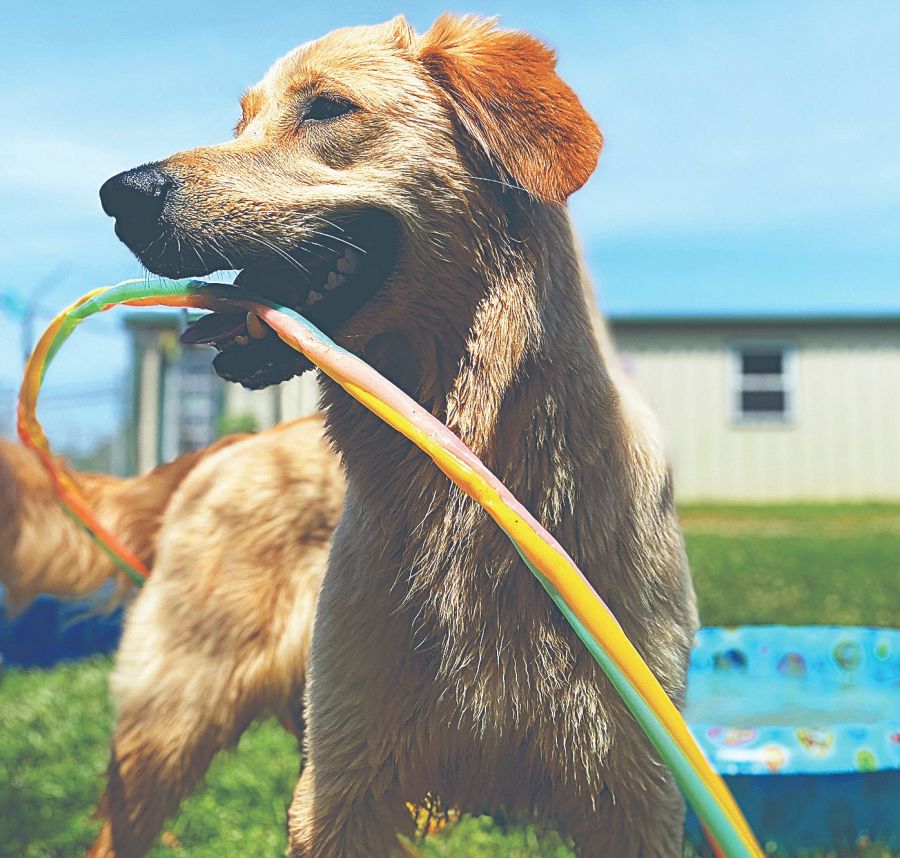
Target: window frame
x,y
788,386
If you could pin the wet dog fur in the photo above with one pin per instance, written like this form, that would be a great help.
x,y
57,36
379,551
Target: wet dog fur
x,y
219,634
438,664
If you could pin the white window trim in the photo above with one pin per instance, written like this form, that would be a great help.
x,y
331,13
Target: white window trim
x,y
788,376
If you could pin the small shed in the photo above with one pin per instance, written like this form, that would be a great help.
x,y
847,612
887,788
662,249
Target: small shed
x,y
179,404
772,407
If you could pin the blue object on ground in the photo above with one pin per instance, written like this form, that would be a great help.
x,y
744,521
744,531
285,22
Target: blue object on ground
x,y
51,630
804,723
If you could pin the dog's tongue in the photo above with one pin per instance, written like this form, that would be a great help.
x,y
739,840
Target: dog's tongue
x,y
210,329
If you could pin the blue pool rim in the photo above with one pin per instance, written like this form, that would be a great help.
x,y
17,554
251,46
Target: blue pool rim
x,y
818,660
827,786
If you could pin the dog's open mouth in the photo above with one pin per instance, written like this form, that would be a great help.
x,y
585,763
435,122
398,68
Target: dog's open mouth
x,y
327,279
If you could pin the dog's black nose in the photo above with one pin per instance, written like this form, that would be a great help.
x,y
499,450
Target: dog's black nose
x,y
136,197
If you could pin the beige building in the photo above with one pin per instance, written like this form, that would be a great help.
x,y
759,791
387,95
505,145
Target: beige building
x,y
753,409
790,408
179,404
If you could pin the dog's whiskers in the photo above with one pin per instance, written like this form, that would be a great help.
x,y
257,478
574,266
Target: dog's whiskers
x,y
180,251
317,244
197,254
163,235
321,234
329,222
287,257
217,248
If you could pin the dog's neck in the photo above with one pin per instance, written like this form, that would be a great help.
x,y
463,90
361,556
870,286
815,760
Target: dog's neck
x,y
528,391
517,374
502,370
526,388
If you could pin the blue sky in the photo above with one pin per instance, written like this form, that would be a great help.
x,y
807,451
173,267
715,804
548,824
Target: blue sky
x,y
752,158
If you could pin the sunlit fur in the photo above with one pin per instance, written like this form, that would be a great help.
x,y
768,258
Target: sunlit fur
x,y
220,633
43,550
438,663
237,536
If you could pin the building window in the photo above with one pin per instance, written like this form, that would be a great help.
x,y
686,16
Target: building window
x,y
763,383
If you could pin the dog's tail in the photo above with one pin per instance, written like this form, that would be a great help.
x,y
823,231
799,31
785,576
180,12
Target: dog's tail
x,y
43,550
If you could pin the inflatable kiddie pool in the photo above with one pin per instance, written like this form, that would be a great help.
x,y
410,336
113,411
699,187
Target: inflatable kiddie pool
x,y
804,723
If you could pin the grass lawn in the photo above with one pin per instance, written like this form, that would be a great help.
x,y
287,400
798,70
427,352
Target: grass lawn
x,y
797,564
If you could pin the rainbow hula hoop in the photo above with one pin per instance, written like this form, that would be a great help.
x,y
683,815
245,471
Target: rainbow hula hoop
x,y
728,831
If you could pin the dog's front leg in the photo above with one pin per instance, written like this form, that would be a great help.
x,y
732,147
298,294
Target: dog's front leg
x,y
361,698
623,821
194,668
346,814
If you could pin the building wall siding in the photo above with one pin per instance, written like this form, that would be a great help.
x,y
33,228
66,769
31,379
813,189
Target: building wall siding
x,y
843,442
299,397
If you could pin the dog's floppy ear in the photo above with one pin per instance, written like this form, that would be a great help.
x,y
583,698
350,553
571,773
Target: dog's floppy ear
x,y
507,95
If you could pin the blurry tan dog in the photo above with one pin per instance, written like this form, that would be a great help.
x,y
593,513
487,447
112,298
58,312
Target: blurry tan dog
x,y
438,663
219,634
43,550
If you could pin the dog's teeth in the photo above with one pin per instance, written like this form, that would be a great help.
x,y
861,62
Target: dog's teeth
x,y
255,326
241,340
313,297
335,280
348,262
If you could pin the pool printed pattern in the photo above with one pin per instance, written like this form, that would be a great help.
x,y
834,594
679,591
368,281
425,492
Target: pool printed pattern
x,y
766,700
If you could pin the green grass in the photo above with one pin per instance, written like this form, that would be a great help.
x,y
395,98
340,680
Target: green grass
x,y
54,735
54,740
797,564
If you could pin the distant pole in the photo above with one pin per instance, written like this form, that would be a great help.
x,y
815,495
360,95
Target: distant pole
x,y
27,334
40,290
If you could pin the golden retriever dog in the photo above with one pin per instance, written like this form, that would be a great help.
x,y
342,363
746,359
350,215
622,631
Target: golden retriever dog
x,y
408,194
219,634
43,550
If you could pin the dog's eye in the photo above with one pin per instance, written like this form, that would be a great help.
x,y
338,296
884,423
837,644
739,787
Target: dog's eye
x,y
327,107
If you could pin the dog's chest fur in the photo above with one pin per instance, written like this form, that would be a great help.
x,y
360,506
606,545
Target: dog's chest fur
x,y
536,404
